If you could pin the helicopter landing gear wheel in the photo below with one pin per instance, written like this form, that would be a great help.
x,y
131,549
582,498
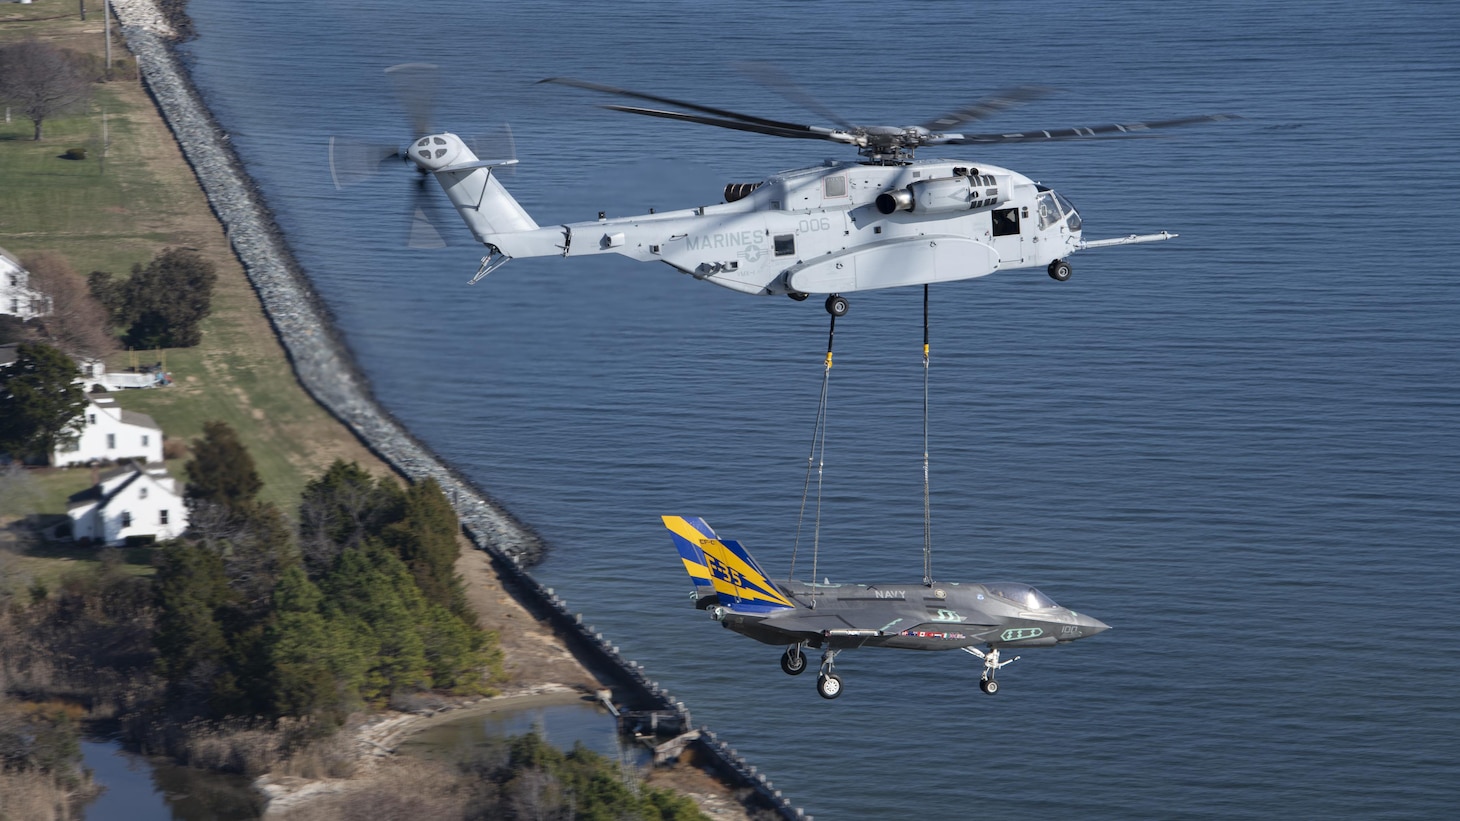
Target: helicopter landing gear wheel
x,y
837,305
793,661
829,685
798,296
988,685
1060,271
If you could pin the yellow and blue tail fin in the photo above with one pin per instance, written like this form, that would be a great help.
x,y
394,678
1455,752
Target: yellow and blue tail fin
x,y
724,567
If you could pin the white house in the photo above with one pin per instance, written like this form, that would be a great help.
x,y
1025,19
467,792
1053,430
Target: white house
x,y
105,432
132,500
17,298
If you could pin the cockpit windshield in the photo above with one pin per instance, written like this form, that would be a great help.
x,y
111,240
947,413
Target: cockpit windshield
x,y
1053,207
1072,217
1021,594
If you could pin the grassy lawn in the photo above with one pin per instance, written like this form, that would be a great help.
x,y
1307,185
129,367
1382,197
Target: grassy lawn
x,y
109,213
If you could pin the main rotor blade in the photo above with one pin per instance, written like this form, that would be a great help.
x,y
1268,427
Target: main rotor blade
x,y
986,107
654,98
772,77
415,86
1098,132
801,132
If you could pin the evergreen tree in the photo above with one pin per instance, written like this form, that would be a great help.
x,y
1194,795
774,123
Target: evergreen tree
x,y
372,592
39,399
222,471
190,641
426,541
340,510
315,668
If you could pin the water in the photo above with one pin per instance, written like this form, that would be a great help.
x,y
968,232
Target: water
x,y
137,787
1238,448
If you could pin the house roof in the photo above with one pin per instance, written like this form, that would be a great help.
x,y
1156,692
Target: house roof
x,y
94,493
141,420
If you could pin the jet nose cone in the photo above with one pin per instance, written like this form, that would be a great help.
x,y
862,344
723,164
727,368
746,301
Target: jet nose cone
x,y
1090,626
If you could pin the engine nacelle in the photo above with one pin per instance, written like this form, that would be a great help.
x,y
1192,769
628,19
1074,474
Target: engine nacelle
x,y
948,195
740,190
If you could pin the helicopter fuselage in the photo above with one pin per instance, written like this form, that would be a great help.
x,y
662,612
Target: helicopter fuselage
x,y
828,229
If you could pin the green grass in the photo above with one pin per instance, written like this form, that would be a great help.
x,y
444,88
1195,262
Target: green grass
x,y
108,218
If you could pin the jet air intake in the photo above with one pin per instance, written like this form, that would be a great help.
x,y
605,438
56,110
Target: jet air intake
x,y
948,195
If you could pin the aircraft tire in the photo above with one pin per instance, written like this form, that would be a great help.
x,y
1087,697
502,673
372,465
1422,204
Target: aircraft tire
x,y
791,666
989,686
829,686
1060,271
837,305
798,296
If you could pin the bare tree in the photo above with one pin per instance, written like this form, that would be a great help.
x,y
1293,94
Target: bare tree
x,y
41,81
76,322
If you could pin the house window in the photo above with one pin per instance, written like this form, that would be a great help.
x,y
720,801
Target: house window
x,y
111,441
162,517
15,306
126,518
91,419
142,493
145,437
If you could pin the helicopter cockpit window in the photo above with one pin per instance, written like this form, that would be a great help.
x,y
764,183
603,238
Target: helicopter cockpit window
x,y
785,245
1072,217
1049,211
1006,222
1021,594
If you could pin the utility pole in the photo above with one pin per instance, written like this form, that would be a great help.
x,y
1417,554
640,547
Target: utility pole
x,y
83,9
106,14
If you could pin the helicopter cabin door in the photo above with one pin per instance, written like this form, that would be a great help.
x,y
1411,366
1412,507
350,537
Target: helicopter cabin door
x,y
1008,236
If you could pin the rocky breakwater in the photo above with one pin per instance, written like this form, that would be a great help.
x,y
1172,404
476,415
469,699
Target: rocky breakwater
x,y
326,369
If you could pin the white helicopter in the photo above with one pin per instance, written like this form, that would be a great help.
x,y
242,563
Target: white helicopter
x,y
884,221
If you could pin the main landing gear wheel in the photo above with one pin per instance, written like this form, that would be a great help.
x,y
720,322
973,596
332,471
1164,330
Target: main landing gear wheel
x,y
798,296
837,305
793,661
988,685
829,685
1060,270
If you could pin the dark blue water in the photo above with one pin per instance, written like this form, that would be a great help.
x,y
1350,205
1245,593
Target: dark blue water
x,y
1239,448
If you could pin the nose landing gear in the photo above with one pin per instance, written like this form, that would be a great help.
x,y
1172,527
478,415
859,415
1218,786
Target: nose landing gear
x,y
991,665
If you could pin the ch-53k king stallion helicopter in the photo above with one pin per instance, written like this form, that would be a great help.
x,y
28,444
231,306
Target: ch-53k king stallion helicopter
x,y
885,220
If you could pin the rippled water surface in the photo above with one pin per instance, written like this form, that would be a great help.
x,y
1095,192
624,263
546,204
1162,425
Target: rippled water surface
x,y
1239,448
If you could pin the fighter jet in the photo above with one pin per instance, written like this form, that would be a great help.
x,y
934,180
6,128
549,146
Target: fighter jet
x,y
740,595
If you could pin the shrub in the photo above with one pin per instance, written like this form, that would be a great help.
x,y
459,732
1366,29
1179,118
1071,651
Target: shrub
x,y
77,153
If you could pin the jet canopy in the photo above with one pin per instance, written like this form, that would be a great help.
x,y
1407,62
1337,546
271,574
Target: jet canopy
x,y
1021,594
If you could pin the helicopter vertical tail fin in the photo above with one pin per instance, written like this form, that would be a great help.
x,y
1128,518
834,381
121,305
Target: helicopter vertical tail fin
x,y
486,206
734,575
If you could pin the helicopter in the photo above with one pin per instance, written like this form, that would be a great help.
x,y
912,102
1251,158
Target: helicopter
x,y
884,220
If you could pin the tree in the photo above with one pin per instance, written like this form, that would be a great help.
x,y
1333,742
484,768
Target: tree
x,y
426,541
41,81
222,471
39,398
340,509
76,322
166,300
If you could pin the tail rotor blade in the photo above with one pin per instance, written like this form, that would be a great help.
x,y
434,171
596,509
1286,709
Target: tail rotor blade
x,y
354,160
416,86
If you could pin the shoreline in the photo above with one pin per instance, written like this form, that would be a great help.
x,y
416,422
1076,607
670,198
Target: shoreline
x,y
327,371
